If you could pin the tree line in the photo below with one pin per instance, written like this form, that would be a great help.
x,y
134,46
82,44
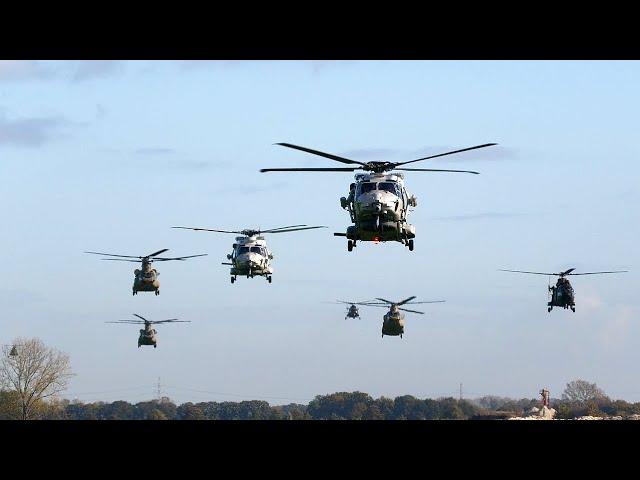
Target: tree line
x,y
33,376
335,406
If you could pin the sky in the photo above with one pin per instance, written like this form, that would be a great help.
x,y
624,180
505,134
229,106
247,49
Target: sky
x,y
107,155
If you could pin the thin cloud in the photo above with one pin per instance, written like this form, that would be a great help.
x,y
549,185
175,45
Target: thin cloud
x,y
17,70
155,151
32,132
91,69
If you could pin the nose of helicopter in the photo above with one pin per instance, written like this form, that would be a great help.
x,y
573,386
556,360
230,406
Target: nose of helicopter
x,y
251,259
378,201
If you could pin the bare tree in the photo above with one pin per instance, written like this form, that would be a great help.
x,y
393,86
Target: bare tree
x,y
34,372
582,391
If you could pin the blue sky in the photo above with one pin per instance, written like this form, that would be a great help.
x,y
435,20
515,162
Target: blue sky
x,y
106,156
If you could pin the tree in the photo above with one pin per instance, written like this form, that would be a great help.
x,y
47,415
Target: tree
x,y
35,372
581,391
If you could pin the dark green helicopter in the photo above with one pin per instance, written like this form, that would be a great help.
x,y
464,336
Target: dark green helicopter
x,y
148,334
562,294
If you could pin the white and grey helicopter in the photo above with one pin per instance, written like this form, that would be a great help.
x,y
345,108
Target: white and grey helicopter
x,y
250,255
393,320
378,201
145,278
148,334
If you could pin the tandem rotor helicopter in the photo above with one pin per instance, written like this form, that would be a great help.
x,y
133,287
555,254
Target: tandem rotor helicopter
x,y
562,295
393,320
148,334
250,255
378,201
146,278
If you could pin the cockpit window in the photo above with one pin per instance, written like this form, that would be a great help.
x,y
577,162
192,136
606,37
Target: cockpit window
x,y
256,250
367,187
242,250
388,186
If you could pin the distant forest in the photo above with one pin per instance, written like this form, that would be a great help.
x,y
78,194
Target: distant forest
x,y
335,406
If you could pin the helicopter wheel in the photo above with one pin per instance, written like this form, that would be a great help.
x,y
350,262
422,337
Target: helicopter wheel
x,y
134,292
349,245
410,245
400,335
233,279
155,346
573,308
269,278
548,309
157,292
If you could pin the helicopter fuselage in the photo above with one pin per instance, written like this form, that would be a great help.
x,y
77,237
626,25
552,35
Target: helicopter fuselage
x,y
352,312
251,257
562,295
378,205
147,337
393,323
146,279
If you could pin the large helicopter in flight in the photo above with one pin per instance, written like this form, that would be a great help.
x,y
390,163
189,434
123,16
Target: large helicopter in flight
x,y
393,320
562,294
378,201
148,334
250,255
145,278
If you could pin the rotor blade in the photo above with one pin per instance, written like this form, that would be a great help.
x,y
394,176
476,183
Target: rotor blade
x,y
291,229
567,272
263,170
112,255
435,170
596,273
280,228
406,300
447,153
387,300
172,320
372,305
158,252
120,260
210,230
522,271
139,316
412,311
180,258
125,321
322,154
431,301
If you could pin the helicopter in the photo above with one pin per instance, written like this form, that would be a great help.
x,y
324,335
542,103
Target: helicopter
x,y
562,294
148,334
393,320
250,255
146,278
378,201
352,310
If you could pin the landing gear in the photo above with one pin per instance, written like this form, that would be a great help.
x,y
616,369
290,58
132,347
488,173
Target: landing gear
x,y
400,335
573,308
154,345
549,309
350,245
383,335
157,292
269,278
233,279
410,245
134,292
